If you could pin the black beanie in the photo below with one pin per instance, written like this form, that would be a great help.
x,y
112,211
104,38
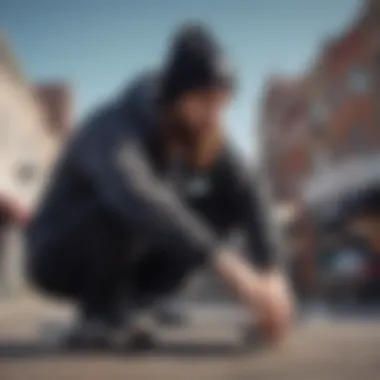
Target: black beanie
x,y
195,62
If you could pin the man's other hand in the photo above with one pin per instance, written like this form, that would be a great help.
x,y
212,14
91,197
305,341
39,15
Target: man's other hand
x,y
266,295
276,308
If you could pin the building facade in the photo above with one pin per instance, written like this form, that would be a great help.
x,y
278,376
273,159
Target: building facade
x,y
28,147
57,104
336,105
286,160
320,133
344,114
284,130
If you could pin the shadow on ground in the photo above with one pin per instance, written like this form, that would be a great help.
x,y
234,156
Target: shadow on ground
x,y
32,349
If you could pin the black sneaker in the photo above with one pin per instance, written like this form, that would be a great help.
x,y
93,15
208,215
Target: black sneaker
x,y
140,334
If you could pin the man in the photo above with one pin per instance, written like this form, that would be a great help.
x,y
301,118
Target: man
x,y
146,191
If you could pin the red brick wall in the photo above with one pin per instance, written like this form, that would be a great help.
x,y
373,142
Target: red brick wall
x,y
352,109
289,151
352,49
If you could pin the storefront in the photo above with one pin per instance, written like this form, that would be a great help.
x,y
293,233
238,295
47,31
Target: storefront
x,y
348,195
344,202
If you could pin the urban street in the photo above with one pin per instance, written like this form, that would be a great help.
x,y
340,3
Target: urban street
x,y
318,349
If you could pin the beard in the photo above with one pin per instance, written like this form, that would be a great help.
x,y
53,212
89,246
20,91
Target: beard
x,y
201,144
185,133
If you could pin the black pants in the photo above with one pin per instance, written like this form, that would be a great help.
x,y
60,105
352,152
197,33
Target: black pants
x,y
93,271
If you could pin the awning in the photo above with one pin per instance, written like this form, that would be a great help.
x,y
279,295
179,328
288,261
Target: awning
x,y
338,181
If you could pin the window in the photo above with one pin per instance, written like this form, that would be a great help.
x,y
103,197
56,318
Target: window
x,y
336,94
293,114
320,161
319,114
357,139
27,169
359,80
319,111
26,173
377,74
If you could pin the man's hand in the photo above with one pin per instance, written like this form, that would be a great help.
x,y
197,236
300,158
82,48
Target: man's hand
x,y
275,310
266,295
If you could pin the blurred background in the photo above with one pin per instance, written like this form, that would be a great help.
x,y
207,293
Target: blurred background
x,y
307,117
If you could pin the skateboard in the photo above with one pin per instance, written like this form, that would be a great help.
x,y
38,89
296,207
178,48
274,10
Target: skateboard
x,y
144,334
136,337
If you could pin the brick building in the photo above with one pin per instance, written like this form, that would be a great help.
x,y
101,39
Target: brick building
x,y
28,147
57,103
344,117
336,104
284,135
317,129
285,158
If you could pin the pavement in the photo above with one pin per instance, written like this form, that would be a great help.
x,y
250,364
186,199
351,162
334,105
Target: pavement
x,y
320,348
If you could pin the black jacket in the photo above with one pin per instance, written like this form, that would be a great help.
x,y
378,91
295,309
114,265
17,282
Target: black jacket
x,y
113,171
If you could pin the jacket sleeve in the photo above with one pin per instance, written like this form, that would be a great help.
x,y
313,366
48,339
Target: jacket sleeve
x,y
251,212
115,162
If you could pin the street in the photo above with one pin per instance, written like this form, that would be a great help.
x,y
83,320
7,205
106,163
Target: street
x,y
319,349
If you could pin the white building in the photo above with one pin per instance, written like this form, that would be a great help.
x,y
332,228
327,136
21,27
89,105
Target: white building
x,y
27,150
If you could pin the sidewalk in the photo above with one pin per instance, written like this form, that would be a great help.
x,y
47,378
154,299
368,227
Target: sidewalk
x,y
321,312
29,305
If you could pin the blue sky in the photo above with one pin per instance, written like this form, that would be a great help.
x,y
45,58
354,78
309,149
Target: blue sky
x,y
96,45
